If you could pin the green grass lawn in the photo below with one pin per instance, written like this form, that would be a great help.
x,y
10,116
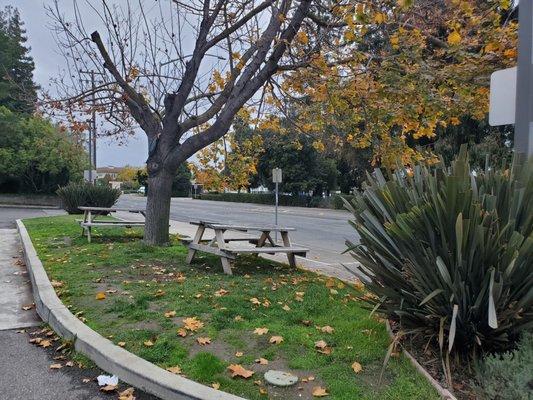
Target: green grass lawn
x,y
142,283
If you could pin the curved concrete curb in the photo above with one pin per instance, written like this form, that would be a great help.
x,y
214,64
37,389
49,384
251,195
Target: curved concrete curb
x,y
444,393
113,359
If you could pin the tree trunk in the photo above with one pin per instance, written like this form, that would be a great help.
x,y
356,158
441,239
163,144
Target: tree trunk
x,y
158,208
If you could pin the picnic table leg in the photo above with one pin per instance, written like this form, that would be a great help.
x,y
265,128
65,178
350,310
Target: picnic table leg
x,y
196,240
262,239
89,219
287,243
226,262
84,220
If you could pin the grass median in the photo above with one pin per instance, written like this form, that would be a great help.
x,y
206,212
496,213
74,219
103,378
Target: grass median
x,y
218,329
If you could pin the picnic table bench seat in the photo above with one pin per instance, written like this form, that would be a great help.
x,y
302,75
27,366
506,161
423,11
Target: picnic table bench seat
x,y
91,213
227,251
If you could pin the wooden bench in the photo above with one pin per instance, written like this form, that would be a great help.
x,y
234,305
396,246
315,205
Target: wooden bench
x,y
91,213
227,251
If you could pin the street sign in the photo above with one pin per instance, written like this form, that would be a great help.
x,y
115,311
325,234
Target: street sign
x,y
89,175
502,109
276,175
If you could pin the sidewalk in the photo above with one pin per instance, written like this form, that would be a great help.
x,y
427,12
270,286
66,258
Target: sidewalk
x,y
330,269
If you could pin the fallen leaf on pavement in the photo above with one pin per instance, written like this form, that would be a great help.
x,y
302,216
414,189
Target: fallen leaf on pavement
x,y
202,341
127,394
28,307
319,392
357,367
100,296
45,343
239,370
69,364
56,366
108,388
260,331
175,370
276,339
86,380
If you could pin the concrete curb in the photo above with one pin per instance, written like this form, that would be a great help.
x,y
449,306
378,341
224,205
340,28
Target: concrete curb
x,y
31,206
111,358
444,393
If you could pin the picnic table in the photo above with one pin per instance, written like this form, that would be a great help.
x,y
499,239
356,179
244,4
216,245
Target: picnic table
x,y
91,213
223,247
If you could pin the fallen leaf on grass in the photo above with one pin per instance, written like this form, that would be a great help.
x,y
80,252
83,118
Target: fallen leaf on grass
x,y
255,301
326,329
221,292
320,344
127,394
319,392
56,366
286,307
260,331
170,314
100,296
238,318
262,361
148,343
198,295
239,354
192,324
299,296
175,370
215,385
56,284
203,341
180,278
276,339
159,293
239,370
357,367
262,391
121,344
182,332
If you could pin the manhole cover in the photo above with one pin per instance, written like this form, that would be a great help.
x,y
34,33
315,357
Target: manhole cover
x,y
280,378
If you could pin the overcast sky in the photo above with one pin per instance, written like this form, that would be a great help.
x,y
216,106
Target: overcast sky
x,y
49,63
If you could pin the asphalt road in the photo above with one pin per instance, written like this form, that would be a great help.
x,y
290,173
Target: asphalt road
x,y
325,231
25,368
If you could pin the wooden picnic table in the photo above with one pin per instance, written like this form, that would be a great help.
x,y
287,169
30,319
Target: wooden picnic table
x,y
91,213
222,246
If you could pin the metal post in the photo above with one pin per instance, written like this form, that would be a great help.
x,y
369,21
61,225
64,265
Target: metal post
x,y
276,218
523,136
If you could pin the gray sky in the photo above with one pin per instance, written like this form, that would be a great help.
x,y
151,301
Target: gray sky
x,y
49,63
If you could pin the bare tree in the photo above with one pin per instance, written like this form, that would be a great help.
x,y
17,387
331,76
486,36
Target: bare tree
x,y
181,70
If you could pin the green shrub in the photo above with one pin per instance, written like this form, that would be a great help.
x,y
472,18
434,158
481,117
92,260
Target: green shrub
x,y
75,195
450,252
338,202
508,376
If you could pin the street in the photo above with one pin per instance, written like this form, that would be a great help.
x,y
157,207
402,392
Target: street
x,y
324,231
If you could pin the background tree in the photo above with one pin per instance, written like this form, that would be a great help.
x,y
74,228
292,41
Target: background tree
x,y
18,92
306,169
36,156
181,185
410,69
183,96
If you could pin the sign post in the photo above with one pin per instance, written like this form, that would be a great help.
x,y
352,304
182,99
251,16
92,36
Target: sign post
x,y
276,178
523,136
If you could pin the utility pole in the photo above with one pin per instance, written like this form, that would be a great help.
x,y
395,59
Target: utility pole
x,y
523,136
92,126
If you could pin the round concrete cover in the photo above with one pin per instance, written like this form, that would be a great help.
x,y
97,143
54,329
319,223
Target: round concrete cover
x,y
280,378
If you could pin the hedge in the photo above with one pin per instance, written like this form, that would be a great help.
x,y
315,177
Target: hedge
x,y
334,202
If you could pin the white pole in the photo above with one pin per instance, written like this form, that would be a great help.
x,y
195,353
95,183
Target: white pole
x,y
276,218
523,136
